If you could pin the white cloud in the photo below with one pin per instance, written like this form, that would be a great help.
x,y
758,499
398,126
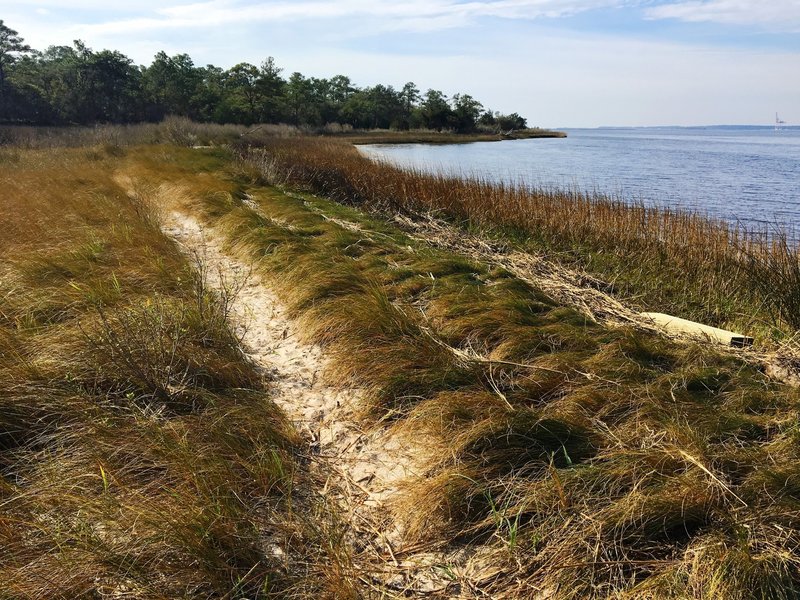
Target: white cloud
x,y
413,15
123,6
388,8
553,77
558,80
778,14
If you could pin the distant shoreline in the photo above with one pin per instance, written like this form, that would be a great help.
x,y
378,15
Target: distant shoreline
x,y
434,137
656,127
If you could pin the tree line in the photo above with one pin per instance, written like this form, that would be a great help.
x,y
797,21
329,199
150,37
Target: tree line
x,y
76,85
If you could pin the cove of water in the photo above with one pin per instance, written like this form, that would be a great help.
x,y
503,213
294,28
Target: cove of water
x,y
745,175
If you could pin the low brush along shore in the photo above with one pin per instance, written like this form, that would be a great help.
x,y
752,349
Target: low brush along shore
x,y
281,370
444,137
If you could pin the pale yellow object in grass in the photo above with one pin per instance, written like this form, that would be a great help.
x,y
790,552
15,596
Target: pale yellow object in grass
x,y
677,325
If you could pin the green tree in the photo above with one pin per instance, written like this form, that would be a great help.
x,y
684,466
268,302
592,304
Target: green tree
x,y
466,112
172,84
512,121
209,94
321,109
272,92
384,106
340,89
74,84
379,106
409,98
435,110
58,69
300,100
50,79
487,120
355,110
110,86
11,47
243,94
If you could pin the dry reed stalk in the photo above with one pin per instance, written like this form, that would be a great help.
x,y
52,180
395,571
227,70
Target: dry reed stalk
x,y
700,268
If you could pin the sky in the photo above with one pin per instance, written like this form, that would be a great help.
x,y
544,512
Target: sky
x,y
559,63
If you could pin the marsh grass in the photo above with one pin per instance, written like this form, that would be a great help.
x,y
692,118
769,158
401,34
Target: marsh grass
x,y
592,462
112,139
586,461
675,262
140,455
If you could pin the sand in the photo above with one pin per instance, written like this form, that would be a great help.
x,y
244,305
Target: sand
x,y
364,470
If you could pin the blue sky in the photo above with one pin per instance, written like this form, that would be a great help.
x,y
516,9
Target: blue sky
x,y
560,63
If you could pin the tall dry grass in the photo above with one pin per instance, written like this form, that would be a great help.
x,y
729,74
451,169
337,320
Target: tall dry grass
x,y
664,260
584,461
140,454
178,131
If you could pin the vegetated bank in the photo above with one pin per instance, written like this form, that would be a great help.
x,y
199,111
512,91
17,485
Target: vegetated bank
x,y
573,459
140,453
658,259
586,461
423,136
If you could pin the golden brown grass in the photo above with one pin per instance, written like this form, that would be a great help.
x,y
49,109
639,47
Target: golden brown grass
x,y
140,455
588,462
591,462
668,261
178,131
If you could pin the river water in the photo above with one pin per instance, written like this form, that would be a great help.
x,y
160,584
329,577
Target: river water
x,y
746,175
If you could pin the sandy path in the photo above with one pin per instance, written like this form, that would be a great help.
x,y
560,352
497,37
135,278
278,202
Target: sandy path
x,y
363,469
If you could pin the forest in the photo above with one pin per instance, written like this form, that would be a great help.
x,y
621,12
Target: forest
x,y
65,85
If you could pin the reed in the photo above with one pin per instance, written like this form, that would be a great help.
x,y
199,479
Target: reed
x,y
583,461
179,131
681,262
140,454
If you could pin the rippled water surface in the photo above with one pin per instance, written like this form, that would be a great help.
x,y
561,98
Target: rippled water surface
x,y
744,174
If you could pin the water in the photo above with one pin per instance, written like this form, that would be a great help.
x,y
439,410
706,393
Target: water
x,y
746,175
